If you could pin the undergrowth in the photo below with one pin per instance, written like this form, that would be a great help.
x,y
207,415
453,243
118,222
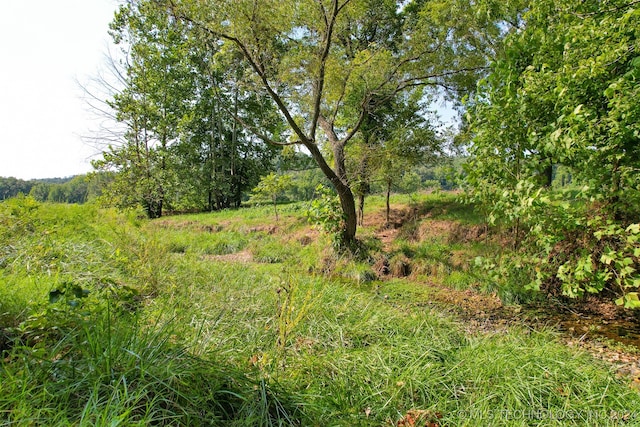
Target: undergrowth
x,y
107,320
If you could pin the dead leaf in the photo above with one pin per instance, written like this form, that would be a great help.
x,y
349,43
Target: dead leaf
x,y
420,418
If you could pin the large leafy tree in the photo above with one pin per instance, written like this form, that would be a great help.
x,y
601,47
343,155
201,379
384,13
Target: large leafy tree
x,y
327,64
564,93
150,106
218,158
181,147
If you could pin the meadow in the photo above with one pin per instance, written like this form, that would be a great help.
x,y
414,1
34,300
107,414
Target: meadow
x,y
233,319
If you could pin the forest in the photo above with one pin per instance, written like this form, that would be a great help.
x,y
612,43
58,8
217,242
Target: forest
x,y
287,227
75,189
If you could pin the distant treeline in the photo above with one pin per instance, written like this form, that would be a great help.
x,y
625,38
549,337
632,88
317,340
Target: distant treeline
x,y
305,178
75,189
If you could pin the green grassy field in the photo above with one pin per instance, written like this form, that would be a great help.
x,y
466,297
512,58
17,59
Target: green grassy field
x,y
232,319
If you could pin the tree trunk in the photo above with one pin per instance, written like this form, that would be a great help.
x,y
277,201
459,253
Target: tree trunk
x,y
548,175
347,201
154,209
351,219
338,178
210,200
362,186
388,195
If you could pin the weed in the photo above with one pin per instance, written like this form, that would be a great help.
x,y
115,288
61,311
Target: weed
x,y
291,309
167,339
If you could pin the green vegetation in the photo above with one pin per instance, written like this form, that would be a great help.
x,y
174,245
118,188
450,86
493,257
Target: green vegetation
x,y
77,189
561,97
270,188
211,90
230,318
224,319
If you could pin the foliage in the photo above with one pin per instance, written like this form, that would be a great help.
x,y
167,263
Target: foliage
x,y
304,184
560,99
269,188
324,212
76,189
182,148
212,342
327,66
79,189
290,311
11,187
598,255
400,135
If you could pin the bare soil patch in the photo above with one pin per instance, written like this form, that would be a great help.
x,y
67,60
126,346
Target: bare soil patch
x,y
197,226
237,257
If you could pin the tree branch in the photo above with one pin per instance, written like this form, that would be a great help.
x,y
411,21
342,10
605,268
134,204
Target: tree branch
x,y
319,86
260,72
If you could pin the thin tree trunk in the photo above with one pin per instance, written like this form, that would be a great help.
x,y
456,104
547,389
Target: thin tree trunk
x,y
548,175
388,197
362,185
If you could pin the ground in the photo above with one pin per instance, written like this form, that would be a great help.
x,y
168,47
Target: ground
x,y
596,325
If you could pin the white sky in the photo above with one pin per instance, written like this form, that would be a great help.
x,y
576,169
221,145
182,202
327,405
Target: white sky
x,y
45,45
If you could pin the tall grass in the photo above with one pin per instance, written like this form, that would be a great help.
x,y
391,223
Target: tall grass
x,y
119,371
177,337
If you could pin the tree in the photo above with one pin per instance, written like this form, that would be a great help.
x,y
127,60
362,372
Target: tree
x,y
181,148
269,188
563,94
40,191
328,64
11,187
148,105
220,158
396,137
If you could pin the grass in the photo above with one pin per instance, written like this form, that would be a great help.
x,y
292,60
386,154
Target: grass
x,y
169,335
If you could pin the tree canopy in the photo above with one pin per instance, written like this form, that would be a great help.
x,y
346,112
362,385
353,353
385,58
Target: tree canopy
x,y
328,64
181,148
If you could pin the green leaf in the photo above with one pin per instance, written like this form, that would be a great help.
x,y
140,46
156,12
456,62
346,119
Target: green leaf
x,y
55,295
607,258
633,228
631,300
626,271
576,111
